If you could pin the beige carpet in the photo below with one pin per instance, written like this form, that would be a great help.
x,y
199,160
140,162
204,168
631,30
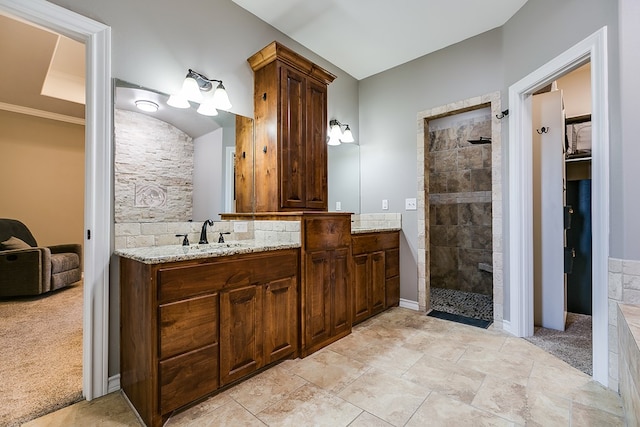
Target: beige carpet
x,y
40,354
573,345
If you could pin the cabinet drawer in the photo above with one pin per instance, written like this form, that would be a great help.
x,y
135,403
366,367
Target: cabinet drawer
x,y
327,233
392,262
188,377
183,281
374,242
188,325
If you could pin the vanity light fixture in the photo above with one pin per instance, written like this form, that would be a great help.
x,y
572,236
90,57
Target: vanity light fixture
x,y
148,106
197,87
337,136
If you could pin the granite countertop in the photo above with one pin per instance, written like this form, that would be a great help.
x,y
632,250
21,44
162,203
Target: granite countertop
x,y
362,230
172,253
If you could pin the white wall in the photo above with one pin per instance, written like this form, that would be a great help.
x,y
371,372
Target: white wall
x,y
208,178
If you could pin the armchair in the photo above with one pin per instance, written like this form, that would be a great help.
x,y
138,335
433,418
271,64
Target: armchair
x,y
28,269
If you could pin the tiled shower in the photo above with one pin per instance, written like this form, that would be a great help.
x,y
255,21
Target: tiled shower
x,y
460,235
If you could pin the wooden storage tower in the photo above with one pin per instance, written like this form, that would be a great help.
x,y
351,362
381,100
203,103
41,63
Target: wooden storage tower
x,y
289,152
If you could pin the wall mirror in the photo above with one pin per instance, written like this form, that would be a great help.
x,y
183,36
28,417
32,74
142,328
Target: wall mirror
x,y
171,164
343,164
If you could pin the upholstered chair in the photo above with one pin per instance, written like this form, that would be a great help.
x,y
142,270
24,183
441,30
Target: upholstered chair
x,y
28,269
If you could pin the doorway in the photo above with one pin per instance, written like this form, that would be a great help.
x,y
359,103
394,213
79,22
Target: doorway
x,y
494,199
460,216
520,253
98,163
562,219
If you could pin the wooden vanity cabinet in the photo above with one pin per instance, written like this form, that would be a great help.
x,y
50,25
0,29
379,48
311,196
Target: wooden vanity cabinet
x,y
376,273
290,151
190,327
326,285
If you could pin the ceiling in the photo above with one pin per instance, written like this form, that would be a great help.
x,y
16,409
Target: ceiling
x,y
44,71
366,37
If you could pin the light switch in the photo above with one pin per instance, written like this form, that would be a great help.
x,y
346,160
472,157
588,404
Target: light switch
x,y
338,206
385,204
410,204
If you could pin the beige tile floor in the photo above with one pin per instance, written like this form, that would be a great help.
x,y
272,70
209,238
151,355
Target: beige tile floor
x,y
400,368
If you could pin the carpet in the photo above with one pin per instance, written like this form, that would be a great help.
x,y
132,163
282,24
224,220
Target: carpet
x,y
573,345
41,362
459,319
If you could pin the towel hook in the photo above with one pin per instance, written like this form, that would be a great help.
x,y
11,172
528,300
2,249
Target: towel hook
x,y
542,130
502,115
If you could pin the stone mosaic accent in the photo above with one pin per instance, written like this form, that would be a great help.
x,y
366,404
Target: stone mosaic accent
x,y
423,182
153,170
624,288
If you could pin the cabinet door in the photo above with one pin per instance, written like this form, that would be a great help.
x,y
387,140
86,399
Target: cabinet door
x,y
361,288
316,146
241,332
377,281
317,302
292,138
280,319
340,292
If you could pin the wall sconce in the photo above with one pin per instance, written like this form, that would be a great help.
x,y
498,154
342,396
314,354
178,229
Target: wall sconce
x,y
197,87
336,135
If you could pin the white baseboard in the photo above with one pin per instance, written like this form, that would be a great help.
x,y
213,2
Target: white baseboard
x,y
406,303
506,326
113,383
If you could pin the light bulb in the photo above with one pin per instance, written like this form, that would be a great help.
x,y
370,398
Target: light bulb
x,y
347,136
178,101
220,98
208,107
191,90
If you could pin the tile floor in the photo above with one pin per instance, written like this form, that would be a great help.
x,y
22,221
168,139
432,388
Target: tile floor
x,y
400,368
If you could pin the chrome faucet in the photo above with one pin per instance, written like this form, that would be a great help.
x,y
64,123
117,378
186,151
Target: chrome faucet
x,y
203,233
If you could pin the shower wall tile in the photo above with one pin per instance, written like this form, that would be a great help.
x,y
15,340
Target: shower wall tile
x,y
470,157
460,185
443,161
481,179
459,182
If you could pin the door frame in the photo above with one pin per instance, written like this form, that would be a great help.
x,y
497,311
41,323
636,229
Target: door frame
x,y
520,236
98,171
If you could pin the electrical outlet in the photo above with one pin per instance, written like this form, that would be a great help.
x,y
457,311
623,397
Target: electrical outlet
x,y
239,227
385,204
410,204
338,206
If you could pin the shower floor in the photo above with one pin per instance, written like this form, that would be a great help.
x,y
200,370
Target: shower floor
x,y
467,304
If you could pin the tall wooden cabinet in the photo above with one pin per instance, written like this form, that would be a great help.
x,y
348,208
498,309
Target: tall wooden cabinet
x,y
290,150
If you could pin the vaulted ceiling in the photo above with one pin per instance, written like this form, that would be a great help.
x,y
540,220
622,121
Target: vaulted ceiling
x,y
366,37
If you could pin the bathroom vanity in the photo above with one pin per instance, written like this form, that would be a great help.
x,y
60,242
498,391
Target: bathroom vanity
x,y
195,320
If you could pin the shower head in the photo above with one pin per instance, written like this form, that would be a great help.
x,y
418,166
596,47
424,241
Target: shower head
x,y
482,140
